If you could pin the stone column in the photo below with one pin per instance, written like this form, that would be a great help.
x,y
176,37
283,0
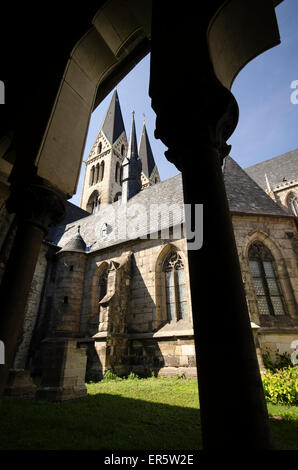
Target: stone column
x,y
195,117
37,205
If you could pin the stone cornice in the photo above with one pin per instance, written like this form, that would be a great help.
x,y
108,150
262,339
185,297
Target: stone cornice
x,y
284,185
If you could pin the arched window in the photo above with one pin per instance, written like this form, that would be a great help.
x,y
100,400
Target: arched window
x,y
93,203
99,148
117,172
175,286
292,202
101,171
266,284
92,171
121,175
122,149
96,173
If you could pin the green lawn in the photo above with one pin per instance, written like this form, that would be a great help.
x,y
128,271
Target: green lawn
x,y
140,414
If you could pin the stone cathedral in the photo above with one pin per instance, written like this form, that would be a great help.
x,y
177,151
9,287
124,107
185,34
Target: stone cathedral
x,y
111,290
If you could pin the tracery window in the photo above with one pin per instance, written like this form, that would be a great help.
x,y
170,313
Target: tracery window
x,y
293,204
266,283
175,286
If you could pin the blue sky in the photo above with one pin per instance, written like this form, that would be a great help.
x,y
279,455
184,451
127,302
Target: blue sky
x,y
268,121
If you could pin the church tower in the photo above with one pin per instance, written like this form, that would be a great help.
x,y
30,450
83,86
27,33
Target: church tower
x,y
102,180
132,167
150,173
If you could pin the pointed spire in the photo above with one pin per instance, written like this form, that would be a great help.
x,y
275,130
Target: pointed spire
x,y
113,125
145,153
132,167
133,146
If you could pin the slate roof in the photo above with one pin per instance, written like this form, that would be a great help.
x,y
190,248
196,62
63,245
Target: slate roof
x,y
114,223
276,169
73,212
113,125
76,243
145,153
245,195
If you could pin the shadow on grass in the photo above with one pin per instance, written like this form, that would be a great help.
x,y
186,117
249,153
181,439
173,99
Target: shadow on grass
x,y
112,422
102,422
285,433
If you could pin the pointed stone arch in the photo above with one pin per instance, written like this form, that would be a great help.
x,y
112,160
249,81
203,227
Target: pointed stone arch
x,y
93,202
292,203
281,272
116,41
160,285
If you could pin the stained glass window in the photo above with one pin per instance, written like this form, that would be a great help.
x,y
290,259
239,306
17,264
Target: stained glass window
x,y
176,297
266,284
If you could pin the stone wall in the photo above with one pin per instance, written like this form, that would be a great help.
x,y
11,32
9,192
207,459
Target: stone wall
x,y
276,332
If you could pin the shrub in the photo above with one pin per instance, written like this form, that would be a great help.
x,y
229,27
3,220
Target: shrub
x,y
281,385
281,361
110,376
132,376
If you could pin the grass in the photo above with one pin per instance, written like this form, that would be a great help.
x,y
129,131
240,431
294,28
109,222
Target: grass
x,y
139,414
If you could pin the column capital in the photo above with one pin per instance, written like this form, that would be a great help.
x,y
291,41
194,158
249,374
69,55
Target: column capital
x,y
209,127
37,202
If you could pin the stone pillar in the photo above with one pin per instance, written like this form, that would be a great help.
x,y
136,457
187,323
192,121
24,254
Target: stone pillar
x,y
37,205
195,117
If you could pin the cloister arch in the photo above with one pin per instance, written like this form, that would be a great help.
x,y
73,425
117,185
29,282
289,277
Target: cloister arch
x,y
115,43
119,36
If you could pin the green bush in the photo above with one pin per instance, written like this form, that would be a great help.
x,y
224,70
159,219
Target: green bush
x,y
133,376
281,361
110,376
281,385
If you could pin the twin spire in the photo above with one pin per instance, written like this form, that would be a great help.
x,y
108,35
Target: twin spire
x,y
139,159
132,167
